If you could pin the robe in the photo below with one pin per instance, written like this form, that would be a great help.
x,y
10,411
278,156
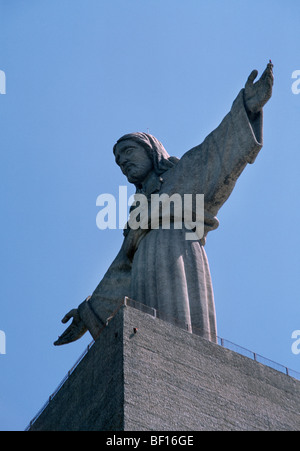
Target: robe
x,y
159,267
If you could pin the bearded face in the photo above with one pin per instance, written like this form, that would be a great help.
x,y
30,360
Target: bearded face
x,y
133,160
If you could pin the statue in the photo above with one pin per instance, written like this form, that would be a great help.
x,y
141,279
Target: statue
x,y
159,267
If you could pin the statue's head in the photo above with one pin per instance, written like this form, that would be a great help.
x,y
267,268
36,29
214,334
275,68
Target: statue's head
x,y
138,154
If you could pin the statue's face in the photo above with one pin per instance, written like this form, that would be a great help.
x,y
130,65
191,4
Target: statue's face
x,y
133,160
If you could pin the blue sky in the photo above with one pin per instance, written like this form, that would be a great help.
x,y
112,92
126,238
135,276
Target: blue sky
x,y
81,73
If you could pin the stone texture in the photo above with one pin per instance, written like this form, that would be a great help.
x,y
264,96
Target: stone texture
x,y
163,378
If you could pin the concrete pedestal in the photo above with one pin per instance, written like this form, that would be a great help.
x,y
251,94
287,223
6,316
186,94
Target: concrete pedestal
x,y
143,374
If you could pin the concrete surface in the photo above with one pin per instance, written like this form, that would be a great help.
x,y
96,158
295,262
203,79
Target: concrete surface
x,y
143,374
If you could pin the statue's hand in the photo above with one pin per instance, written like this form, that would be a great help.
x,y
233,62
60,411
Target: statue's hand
x,y
74,331
257,94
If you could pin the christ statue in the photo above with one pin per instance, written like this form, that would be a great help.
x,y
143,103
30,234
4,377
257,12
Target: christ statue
x,y
159,267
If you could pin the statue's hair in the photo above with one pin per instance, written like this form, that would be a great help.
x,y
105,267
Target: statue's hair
x,y
156,151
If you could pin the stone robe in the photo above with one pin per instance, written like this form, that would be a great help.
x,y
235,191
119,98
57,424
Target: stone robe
x,y
160,268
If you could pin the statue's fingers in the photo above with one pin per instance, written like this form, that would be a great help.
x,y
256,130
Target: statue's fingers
x,y
66,337
270,75
268,72
268,80
252,77
59,342
72,333
68,316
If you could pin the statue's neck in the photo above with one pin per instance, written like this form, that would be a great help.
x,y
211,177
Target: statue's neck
x,y
150,185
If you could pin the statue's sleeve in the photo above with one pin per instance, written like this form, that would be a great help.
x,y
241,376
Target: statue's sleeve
x,y
108,295
98,308
213,167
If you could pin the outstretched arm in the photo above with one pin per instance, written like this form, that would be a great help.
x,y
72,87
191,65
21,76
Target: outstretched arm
x,y
214,166
93,313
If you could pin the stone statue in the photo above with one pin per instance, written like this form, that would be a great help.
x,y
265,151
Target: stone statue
x,y
159,267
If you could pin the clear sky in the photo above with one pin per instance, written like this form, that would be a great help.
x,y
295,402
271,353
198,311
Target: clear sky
x,y
81,73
